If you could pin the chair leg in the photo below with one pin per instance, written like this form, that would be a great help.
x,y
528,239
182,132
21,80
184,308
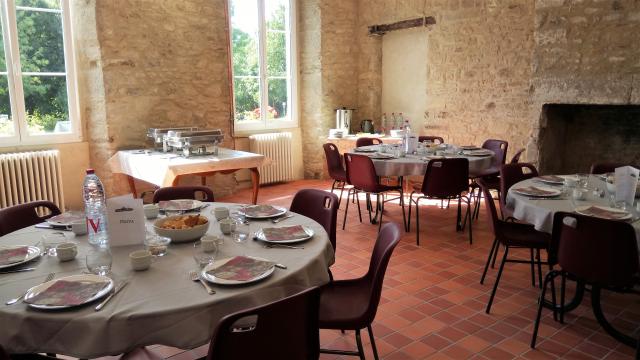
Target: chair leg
x,y
539,268
333,185
381,210
533,269
495,286
373,342
602,320
494,247
408,227
359,343
470,223
417,222
459,216
541,300
495,256
346,209
358,202
563,287
404,215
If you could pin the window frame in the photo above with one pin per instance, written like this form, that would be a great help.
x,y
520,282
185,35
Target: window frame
x,y
292,61
8,17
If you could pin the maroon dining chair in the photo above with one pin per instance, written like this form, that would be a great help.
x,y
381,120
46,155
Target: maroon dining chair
x,y
21,216
490,174
606,167
435,139
597,252
286,329
511,174
444,179
352,304
202,193
366,141
361,174
335,168
513,235
516,157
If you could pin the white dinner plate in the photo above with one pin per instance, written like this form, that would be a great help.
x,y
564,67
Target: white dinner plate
x,y
381,156
310,233
65,219
626,215
211,278
32,253
470,147
552,192
281,211
552,181
480,152
181,205
84,278
365,150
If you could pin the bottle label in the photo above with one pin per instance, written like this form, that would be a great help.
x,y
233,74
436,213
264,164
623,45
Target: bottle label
x,y
93,225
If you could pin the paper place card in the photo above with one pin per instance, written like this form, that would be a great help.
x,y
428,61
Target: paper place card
x,y
125,219
626,180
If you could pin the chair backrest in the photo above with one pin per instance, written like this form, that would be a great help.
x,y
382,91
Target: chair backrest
x,y
446,177
284,329
183,192
361,172
334,160
602,168
21,216
516,157
490,204
435,139
365,141
388,239
598,251
319,205
499,147
511,174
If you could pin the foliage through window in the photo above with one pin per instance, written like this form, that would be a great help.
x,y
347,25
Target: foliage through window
x,y
262,48
37,99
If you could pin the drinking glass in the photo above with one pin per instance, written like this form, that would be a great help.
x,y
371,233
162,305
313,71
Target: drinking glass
x,y
51,240
203,257
99,261
583,180
241,234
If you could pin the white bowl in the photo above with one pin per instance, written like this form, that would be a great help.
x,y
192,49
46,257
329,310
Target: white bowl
x,y
181,235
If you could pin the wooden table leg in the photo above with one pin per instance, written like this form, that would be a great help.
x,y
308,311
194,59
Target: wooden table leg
x,y
255,180
132,185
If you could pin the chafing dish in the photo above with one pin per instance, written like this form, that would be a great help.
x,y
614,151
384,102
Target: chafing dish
x,y
156,135
190,143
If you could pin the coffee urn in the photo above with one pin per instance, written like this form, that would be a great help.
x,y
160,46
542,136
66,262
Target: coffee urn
x,y
343,119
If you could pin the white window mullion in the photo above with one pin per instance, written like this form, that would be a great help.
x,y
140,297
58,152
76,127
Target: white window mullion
x,y
262,48
15,71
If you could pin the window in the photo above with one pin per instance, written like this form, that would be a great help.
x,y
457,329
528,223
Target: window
x,y
263,58
37,86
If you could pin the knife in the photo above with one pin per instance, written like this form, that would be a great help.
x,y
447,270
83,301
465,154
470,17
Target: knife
x,y
16,270
105,301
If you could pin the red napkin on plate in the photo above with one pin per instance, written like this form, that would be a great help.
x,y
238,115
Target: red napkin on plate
x,y
12,256
241,268
552,178
285,233
261,210
535,191
70,293
604,213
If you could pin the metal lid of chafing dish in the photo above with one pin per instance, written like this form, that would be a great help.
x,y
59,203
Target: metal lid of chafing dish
x,y
159,132
191,133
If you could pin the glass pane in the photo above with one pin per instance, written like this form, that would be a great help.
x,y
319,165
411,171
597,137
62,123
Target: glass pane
x,y
40,41
3,63
247,98
244,37
45,100
278,100
6,121
42,4
276,54
276,13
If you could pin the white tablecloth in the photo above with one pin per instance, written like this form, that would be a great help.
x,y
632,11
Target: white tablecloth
x,y
417,164
540,212
160,305
161,169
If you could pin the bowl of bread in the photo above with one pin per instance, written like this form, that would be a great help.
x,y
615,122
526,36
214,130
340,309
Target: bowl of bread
x,y
182,228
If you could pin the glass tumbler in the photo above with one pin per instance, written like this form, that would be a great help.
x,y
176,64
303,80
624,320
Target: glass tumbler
x,y
99,261
51,240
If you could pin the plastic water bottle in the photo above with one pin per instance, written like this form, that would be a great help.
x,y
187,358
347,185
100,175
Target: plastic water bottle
x,y
407,136
95,208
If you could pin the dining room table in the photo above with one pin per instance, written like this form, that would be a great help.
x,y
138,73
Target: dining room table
x,y
161,305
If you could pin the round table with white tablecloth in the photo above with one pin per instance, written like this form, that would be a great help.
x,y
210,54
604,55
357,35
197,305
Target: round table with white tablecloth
x,y
160,305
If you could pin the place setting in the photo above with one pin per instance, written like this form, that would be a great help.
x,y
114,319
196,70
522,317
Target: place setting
x,y
13,256
538,192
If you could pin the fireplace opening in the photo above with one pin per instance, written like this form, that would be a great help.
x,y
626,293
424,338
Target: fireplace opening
x,y
572,137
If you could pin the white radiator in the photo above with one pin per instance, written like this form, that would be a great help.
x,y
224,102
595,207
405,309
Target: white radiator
x,y
276,147
30,176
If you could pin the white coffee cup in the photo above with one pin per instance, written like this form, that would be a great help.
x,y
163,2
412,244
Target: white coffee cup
x,y
151,211
221,212
140,260
227,226
79,228
66,251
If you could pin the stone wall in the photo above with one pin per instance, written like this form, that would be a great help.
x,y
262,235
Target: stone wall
x,y
150,63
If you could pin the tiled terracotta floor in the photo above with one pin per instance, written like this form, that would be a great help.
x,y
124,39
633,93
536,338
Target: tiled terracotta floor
x,y
432,304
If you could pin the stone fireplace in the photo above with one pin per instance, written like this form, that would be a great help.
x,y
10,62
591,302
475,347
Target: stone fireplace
x,y
572,137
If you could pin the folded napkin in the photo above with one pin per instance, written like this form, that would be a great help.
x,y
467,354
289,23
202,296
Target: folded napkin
x,y
70,293
535,191
14,255
67,217
176,205
481,152
551,178
241,268
604,213
261,210
285,233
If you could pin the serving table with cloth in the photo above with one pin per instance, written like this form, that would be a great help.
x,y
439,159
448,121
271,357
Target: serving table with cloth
x,y
166,169
160,305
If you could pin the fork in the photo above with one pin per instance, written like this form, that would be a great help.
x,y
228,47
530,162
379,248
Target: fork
x,y
275,221
13,301
269,246
193,275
